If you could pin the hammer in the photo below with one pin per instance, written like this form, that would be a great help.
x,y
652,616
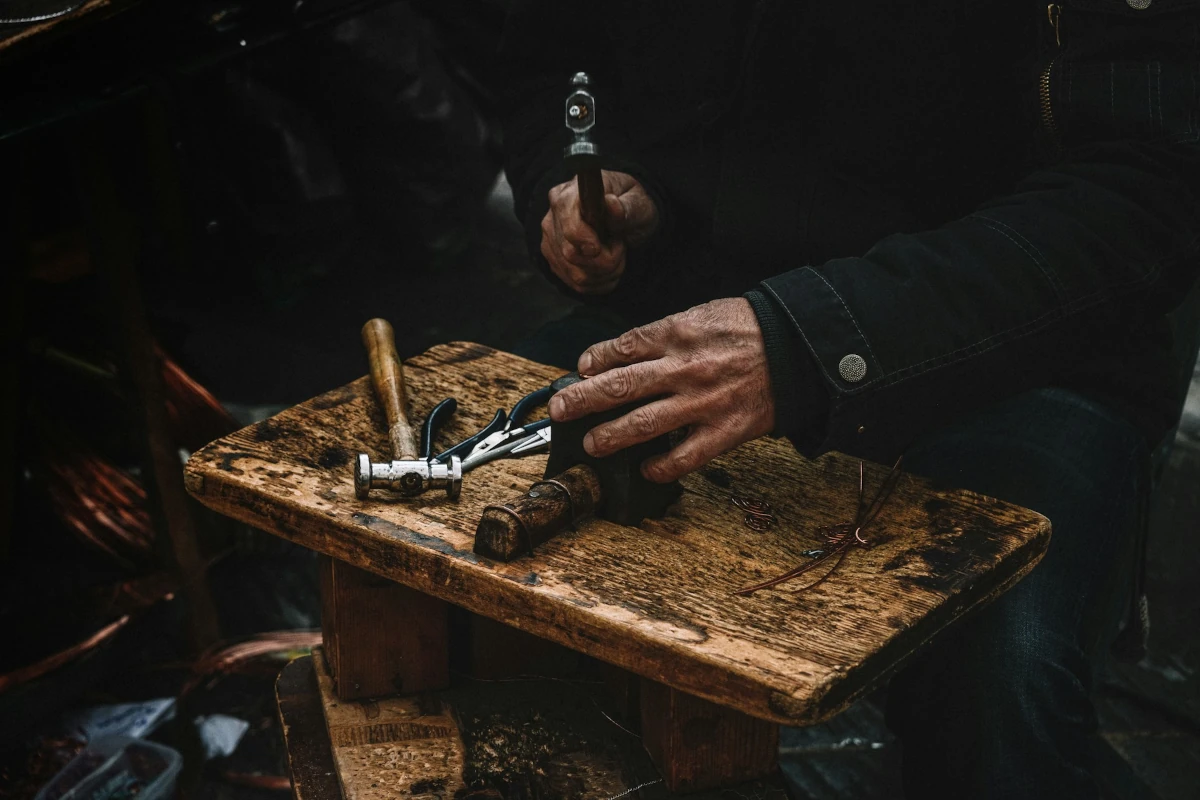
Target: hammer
x,y
407,473
583,155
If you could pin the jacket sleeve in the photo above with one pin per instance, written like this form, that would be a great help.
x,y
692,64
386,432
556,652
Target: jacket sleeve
x,y
1105,237
543,44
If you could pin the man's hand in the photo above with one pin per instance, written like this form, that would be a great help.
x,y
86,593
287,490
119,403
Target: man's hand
x,y
574,251
707,366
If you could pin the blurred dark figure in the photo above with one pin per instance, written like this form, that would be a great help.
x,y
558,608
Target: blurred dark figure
x,y
332,174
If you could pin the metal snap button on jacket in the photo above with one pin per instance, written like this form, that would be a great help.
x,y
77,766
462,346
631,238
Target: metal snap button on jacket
x,y
852,368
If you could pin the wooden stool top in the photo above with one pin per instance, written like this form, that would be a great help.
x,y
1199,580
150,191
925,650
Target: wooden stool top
x,y
657,600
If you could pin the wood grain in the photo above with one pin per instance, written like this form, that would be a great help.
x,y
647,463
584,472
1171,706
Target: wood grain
x,y
656,600
391,747
700,745
381,637
305,738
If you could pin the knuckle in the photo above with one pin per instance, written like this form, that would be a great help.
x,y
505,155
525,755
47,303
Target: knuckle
x,y
660,470
644,423
620,384
686,462
573,228
626,345
687,328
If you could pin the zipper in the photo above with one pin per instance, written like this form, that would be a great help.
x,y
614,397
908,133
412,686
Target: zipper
x,y
1054,15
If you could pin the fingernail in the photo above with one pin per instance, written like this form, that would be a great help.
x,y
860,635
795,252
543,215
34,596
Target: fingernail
x,y
590,250
556,407
589,445
585,363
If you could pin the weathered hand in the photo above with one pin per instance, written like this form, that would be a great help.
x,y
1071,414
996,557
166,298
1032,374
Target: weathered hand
x,y
708,368
574,251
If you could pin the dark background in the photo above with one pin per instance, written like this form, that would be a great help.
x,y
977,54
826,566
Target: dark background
x,y
273,174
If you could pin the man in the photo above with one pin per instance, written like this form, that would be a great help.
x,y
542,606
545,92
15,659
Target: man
x,y
950,229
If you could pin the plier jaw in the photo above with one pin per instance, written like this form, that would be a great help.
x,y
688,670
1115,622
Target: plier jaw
x,y
505,434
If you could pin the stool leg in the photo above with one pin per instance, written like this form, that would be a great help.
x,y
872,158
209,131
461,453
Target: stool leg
x,y
700,745
381,637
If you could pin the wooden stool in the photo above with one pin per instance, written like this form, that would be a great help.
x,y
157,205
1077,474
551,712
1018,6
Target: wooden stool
x,y
718,673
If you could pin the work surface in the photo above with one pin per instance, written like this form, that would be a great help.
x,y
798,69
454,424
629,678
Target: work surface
x,y
657,600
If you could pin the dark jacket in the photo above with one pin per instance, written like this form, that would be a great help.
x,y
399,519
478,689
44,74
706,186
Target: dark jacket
x,y
931,205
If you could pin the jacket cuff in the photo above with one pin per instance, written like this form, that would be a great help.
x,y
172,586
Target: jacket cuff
x,y
842,359
801,398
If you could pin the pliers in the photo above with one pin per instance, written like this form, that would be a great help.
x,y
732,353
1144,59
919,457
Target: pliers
x,y
507,434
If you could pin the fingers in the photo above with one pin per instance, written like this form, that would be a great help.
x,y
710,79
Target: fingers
x,y
639,344
702,445
572,248
586,275
632,215
609,390
640,425
568,221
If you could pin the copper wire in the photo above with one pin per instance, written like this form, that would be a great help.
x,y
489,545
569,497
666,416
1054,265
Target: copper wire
x,y
839,538
559,485
759,515
517,517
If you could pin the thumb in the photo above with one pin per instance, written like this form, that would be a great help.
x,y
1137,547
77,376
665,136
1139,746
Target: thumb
x,y
631,215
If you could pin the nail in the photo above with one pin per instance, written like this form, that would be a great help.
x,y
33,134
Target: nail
x,y
556,407
589,445
585,363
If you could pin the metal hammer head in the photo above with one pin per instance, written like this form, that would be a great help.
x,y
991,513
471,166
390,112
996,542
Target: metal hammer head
x,y
409,478
626,496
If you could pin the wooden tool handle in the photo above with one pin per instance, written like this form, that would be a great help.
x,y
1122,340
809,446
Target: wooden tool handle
x,y
546,510
591,200
387,374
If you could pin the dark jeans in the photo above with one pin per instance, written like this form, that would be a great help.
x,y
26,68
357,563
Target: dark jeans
x,y
999,705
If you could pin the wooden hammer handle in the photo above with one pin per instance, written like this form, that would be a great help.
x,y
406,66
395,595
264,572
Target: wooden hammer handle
x,y
387,374
591,200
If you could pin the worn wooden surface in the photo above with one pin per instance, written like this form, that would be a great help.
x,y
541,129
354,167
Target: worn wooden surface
x,y
391,747
700,745
655,600
305,737
381,637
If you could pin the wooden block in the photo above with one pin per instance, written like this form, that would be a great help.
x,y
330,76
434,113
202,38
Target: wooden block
x,y
305,737
700,745
392,747
381,637
657,600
